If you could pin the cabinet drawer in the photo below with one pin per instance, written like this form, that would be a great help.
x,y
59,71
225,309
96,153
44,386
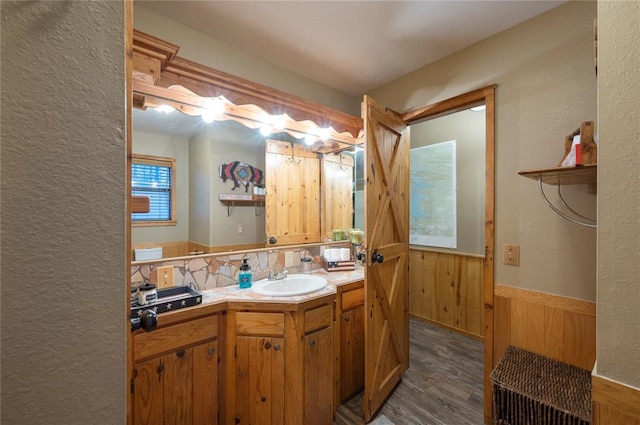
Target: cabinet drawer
x,y
318,318
353,298
249,323
173,337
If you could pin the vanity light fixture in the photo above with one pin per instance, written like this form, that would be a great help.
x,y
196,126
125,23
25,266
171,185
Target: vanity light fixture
x,y
478,108
221,109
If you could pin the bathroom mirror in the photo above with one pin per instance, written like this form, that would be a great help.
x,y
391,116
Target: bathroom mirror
x,y
204,223
230,145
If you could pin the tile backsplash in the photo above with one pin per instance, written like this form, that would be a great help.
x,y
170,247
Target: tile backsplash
x,y
211,271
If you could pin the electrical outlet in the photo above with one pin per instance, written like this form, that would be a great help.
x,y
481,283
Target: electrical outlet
x,y
239,229
288,259
165,277
511,255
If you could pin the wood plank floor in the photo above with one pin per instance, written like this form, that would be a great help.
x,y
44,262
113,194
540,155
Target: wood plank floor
x,y
443,385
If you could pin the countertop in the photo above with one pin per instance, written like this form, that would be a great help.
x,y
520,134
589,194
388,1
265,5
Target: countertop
x,y
233,293
220,299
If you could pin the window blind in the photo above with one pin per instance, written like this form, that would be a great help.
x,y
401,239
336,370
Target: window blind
x,y
154,181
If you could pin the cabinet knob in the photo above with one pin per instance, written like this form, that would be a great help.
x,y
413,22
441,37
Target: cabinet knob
x,y
273,240
346,319
312,342
267,345
276,347
180,353
210,351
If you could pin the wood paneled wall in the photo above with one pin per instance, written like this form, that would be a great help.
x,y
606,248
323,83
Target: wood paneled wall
x,y
169,249
614,403
446,288
184,248
551,325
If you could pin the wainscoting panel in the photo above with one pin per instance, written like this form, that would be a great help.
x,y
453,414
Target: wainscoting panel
x,y
446,289
169,249
551,325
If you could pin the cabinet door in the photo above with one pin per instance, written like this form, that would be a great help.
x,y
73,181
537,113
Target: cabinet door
x,y
178,378
259,380
179,388
318,378
148,392
205,384
292,202
351,353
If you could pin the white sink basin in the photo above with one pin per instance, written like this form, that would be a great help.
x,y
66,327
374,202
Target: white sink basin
x,y
294,284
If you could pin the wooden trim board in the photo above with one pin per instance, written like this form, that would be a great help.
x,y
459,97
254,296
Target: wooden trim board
x,y
614,403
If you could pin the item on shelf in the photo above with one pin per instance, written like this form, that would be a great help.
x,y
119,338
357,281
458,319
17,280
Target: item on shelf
x,y
356,237
580,147
338,235
337,259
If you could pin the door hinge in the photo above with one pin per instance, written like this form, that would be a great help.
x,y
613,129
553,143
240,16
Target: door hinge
x,y
133,385
235,351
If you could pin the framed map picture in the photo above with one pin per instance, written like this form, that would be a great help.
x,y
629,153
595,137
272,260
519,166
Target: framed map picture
x,y
432,207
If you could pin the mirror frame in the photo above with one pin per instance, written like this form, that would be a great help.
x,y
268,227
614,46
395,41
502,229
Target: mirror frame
x,y
156,68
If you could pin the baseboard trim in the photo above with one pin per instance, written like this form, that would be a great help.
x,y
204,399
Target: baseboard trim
x,y
616,398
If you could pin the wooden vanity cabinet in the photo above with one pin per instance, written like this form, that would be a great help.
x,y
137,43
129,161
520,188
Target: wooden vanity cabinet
x,y
175,377
349,340
280,364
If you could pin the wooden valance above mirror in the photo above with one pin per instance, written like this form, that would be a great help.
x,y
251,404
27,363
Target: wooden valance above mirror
x,y
157,69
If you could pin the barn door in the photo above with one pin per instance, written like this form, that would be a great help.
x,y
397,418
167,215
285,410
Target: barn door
x,y
292,202
387,239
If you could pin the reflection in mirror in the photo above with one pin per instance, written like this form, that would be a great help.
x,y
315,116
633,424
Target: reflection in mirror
x,y
204,223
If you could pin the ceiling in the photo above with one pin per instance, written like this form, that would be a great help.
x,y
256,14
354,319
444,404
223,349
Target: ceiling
x,y
353,46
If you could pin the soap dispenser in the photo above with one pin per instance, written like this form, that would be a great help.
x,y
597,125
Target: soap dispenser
x,y
245,277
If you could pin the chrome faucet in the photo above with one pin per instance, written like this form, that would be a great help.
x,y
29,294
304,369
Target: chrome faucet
x,y
278,275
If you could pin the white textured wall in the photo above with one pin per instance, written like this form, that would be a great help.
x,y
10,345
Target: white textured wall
x,y
618,337
63,213
546,88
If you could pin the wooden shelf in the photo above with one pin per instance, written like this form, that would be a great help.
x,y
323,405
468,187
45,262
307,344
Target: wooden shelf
x,y
583,174
256,200
560,176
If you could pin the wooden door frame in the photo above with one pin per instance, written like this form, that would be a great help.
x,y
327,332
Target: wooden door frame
x,y
484,95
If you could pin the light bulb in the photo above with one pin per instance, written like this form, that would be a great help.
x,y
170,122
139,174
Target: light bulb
x,y
215,105
324,134
207,116
265,129
309,139
166,109
278,122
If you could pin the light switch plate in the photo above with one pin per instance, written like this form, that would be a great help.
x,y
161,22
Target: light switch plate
x,y
165,277
288,259
511,255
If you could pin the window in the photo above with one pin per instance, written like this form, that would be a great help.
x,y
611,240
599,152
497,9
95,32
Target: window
x,y
154,177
